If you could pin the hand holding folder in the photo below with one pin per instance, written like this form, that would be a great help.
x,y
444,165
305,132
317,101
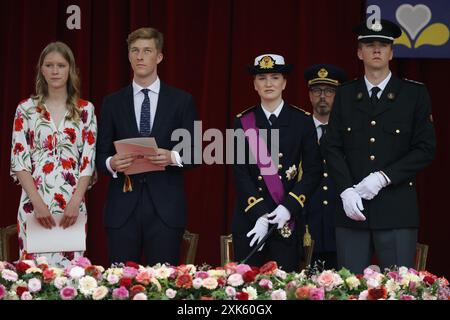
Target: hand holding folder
x,y
140,147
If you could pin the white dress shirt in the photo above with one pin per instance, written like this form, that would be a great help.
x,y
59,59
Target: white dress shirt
x,y
381,85
138,98
317,123
276,112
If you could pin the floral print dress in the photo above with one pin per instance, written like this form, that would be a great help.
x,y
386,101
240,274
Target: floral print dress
x,y
56,158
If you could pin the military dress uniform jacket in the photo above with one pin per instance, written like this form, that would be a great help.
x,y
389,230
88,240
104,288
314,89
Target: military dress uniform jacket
x,y
395,136
297,143
320,214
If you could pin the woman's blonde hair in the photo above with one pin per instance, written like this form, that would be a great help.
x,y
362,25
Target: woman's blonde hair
x,y
73,81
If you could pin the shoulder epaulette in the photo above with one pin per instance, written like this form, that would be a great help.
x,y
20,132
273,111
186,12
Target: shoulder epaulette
x,y
304,111
240,114
413,81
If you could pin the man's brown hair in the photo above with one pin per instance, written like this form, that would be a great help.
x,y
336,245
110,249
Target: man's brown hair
x,y
146,33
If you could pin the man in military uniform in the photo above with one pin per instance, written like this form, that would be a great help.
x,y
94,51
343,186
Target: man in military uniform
x,y
319,213
380,135
273,197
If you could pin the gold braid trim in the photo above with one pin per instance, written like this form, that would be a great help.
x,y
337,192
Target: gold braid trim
x,y
251,202
301,198
307,237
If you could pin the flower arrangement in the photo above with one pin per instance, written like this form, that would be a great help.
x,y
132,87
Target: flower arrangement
x,y
36,280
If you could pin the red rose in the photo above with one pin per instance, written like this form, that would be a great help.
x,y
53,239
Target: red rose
x,y
20,290
22,267
249,276
184,281
269,268
125,282
60,199
377,293
221,281
71,134
255,269
242,296
93,272
18,123
49,275
132,264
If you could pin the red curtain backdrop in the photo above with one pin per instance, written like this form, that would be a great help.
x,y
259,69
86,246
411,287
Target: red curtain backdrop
x,y
208,44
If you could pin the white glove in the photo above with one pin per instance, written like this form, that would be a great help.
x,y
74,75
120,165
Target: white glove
x,y
352,204
369,187
259,230
280,215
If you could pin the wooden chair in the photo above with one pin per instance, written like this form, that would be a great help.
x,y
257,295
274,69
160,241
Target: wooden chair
x,y
226,249
9,250
189,247
421,256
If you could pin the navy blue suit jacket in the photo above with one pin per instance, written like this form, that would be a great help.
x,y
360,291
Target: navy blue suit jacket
x,y
175,110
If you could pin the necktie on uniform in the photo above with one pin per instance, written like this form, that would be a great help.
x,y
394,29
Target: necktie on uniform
x,y
144,125
323,127
273,120
374,95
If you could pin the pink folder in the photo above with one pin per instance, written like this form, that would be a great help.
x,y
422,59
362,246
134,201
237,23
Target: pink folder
x,y
141,147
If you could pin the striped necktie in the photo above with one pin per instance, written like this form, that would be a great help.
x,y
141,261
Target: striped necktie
x,y
144,125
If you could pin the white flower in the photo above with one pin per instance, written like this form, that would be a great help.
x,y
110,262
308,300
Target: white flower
x,y
26,296
278,295
9,275
34,285
112,278
76,272
217,273
210,283
99,293
41,260
352,282
428,296
392,286
163,272
372,283
363,295
170,293
33,270
281,274
197,283
60,282
87,285
230,291
140,296
252,294
235,280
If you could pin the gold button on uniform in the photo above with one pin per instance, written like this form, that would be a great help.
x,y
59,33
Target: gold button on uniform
x,y
325,202
325,188
259,189
325,174
372,158
372,140
372,123
280,155
397,131
280,166
260,178
410,183
349,129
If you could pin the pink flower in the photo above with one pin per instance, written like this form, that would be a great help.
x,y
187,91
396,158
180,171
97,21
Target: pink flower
x,y
68,293
243,268
265,284
120,293
129,272
317,293
406,297
393,275
2,291
170,293
143,277
201,274
26,296
82,262
235,280
303,292
140,296
9,275
34,285
230,291
278,295
329,279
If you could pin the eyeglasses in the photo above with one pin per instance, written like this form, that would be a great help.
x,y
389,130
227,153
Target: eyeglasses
x,y
317,92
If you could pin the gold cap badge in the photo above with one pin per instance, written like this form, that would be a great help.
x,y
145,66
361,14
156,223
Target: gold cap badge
x,y
322,73
266,62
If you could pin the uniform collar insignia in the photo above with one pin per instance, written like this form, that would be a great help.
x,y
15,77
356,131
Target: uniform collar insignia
x,y
359,95
391,96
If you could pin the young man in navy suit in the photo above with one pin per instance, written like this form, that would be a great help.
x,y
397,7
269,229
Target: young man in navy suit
x,y
145,213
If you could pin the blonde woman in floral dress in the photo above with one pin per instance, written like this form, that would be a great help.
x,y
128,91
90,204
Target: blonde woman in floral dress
x,y
53,149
